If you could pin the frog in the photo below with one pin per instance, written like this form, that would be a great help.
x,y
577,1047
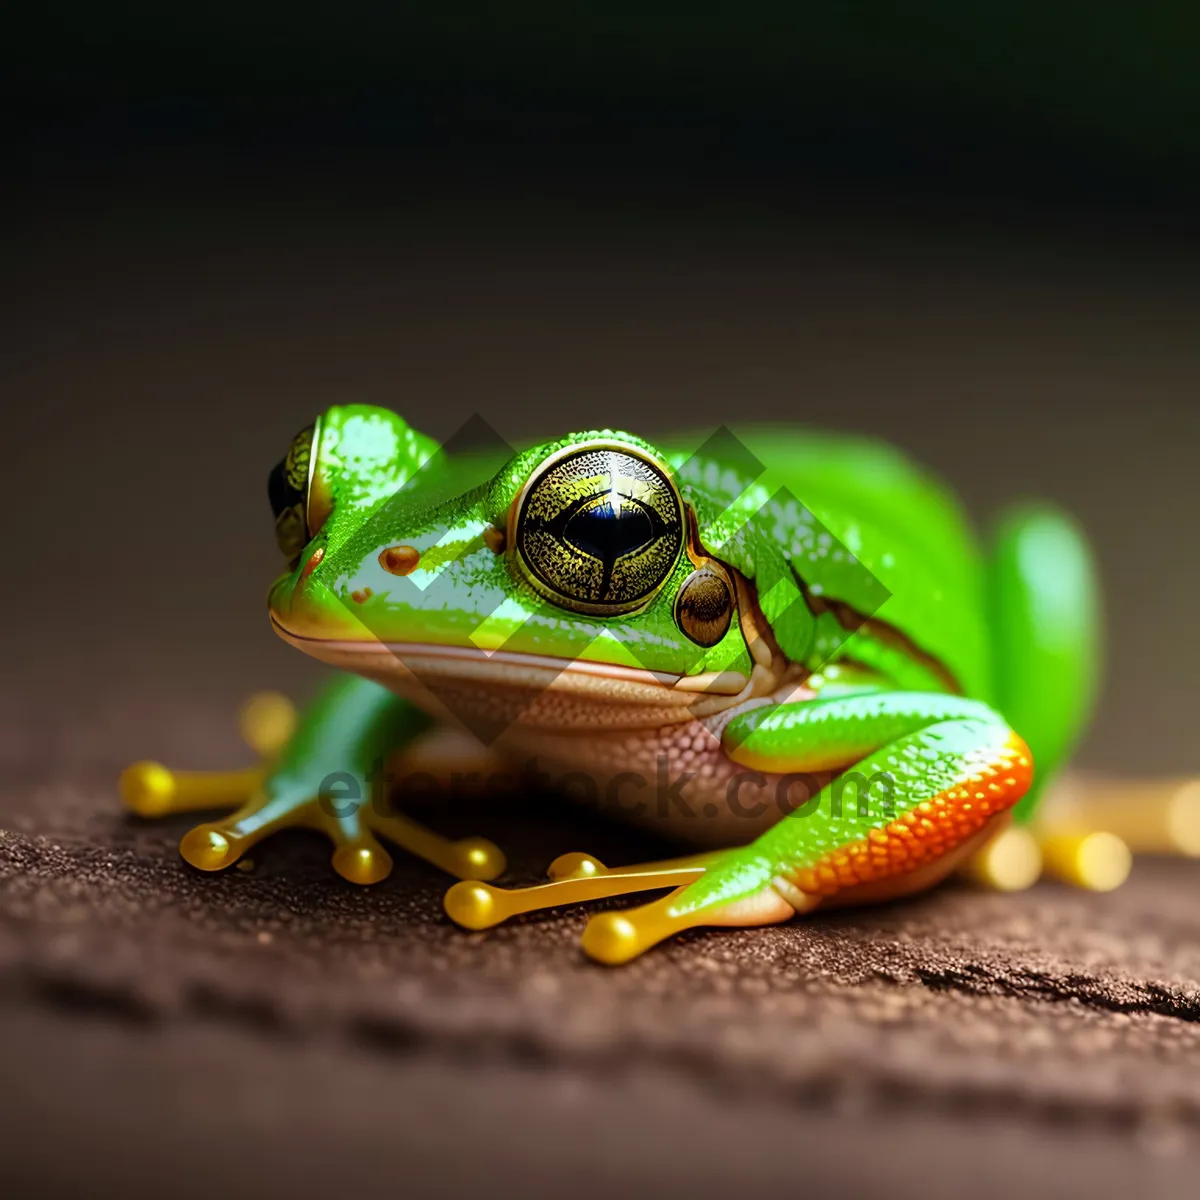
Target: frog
x,y
787,650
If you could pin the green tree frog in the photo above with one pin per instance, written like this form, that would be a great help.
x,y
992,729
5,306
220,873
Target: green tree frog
x,y
786,649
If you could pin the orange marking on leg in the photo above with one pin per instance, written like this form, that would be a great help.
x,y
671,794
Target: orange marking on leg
x,y
930,830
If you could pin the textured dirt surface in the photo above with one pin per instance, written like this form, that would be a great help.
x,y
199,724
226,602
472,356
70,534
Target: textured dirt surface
x,y
276,1027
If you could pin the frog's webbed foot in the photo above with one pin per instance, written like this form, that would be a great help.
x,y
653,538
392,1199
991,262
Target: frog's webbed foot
x,y
264,804
613,937
573,879
1087,831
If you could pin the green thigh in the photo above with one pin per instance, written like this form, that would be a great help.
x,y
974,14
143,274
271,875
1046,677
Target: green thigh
x,y
927,772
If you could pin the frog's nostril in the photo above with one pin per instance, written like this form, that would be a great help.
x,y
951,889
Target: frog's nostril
x,y
399,560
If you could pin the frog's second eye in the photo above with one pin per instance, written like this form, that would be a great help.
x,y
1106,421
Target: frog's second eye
x,y
599,527
704,605
290,489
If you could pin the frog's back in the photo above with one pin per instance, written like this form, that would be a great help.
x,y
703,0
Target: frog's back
x,y
874,482
902,524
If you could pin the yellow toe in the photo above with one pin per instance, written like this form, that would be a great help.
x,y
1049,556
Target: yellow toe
x,y
362,864
479,858
267,721
575,866
1098,861
612,938
207,848
472,905
147,789
1009,862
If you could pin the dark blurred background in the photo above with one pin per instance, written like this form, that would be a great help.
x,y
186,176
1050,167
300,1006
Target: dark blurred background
x,y
970,232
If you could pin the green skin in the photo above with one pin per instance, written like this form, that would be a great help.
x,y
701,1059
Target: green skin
x,y
966,646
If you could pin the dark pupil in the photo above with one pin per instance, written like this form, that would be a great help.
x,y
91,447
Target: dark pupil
x,y
607,535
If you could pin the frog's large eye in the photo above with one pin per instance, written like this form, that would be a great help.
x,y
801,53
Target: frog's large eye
x,y
599,527
298,513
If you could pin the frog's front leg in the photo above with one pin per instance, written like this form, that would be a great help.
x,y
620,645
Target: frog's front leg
x,y
932,775
325,775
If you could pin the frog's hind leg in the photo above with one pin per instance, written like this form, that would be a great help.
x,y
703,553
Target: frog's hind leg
x,y
932,775
324,772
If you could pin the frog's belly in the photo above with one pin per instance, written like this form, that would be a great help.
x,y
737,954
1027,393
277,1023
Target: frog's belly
x,y
649,756
676,780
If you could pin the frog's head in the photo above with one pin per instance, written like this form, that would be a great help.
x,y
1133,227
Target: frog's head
x,y
569,584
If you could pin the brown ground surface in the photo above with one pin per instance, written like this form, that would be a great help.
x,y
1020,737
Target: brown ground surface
x,y
277,1029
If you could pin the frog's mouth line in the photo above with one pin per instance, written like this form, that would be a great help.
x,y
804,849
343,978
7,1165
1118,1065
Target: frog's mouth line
x,y
397,663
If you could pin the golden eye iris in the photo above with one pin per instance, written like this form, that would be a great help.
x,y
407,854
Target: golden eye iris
x,y
599,528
